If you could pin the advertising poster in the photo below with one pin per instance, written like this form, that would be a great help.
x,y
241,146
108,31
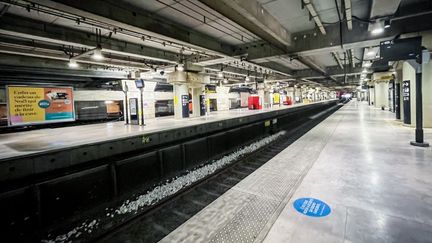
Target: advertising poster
x,y
276,98
36,105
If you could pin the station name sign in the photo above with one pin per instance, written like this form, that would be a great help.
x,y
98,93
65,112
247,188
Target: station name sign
x,y
37,105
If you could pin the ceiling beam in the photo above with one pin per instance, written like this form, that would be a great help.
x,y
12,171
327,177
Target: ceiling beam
x,y
348,14
25,28
310,43
42,66
125,18
331,71
352,57
64,59
242,72
277,67
337,59
313,13
251,15
316,68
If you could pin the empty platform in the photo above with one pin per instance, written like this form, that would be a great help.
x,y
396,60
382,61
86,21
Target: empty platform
x,y
358,161
44,140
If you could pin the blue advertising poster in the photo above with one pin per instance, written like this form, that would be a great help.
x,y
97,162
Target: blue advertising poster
x,y
312,207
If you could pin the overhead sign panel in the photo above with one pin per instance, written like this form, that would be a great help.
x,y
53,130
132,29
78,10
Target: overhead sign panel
x,y
37,105
400,49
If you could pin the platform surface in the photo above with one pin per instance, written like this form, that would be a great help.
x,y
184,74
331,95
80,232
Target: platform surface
x,y
358,161
42,140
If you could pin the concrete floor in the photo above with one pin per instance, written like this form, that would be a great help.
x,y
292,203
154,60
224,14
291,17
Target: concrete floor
x,y
378,186
23,143
358,161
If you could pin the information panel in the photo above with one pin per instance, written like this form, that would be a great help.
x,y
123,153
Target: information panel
x,y
185,106
397,101
37,105
406,93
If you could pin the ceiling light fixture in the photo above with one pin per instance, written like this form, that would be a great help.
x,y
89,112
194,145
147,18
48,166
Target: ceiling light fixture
x,y
247,79
367,64
370,53
180,67
377,31
97,54
387,23
72,64
377,28
364,71
220,74
225,81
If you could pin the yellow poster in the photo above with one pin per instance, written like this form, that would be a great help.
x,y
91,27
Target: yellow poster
x,y
276,98
32,105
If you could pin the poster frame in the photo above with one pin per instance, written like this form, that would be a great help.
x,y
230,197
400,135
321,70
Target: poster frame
x,y
43,122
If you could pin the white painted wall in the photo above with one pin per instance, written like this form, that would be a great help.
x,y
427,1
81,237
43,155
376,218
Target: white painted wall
x,y
372,95
427,94
381,95
223,97
97,95
427,82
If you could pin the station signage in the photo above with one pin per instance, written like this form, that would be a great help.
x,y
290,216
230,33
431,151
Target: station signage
x,y
37,105
406,97
185,105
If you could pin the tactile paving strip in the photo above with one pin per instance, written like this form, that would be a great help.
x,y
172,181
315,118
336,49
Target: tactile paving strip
x,y
248,222
262,193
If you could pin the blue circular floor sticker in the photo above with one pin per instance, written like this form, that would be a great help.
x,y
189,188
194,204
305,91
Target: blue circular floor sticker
x,y
312,207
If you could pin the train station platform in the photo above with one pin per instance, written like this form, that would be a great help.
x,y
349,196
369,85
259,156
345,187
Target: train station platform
x,y
51,139
358,163
32,155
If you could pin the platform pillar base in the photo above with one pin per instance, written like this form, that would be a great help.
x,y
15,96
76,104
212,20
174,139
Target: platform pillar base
x,y
414,143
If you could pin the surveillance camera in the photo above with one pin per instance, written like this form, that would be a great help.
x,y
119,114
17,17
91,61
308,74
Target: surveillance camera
x,y
162,72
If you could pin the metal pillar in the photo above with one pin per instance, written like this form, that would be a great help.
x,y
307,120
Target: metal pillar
x,y
419,136
126,104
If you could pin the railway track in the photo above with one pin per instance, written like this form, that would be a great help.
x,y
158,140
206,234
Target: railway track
x,y
155,222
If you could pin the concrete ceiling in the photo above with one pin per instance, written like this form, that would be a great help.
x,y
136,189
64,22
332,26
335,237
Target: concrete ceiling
x,y
295,19
194,28
197,16
69,23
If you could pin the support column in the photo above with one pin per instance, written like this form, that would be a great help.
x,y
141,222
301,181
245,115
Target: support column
x,y
196,100
180,90
291,94
182,82
419,137
427,90
372,95
381,94
267,98
261,92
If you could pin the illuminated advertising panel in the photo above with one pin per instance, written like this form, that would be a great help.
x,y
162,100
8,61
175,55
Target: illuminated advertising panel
x,y
37,105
